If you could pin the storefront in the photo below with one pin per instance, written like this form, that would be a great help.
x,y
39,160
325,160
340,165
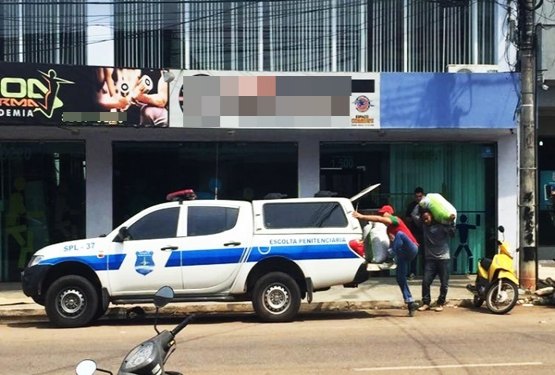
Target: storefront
x,y
42,188
63,180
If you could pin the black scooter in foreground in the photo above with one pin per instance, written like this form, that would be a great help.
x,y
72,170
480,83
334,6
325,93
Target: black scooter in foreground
x,y
150,356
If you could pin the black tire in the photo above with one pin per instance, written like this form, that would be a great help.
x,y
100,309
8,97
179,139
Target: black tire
x,y
71,301
477,301
509,297
276,297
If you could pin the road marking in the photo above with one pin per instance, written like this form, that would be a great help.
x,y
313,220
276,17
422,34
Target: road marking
x,y
449,366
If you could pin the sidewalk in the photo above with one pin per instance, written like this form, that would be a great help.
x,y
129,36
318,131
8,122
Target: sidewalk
x,y
377,292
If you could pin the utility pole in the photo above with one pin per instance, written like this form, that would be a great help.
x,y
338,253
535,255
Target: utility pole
x,y
528,145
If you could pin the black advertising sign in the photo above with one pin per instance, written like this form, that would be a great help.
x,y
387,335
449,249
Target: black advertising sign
x,y
42,94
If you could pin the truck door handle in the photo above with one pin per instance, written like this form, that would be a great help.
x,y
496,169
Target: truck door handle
x,y
232,243
166,248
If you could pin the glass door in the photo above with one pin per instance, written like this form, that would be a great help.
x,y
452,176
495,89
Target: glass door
x,y
42,199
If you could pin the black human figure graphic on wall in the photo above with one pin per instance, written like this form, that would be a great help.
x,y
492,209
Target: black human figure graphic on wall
x,y
463,227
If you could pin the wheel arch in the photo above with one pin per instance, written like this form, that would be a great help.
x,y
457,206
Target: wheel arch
x,y
277,264
71,268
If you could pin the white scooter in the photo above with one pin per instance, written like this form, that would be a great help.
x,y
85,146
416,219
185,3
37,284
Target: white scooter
x,y
150,356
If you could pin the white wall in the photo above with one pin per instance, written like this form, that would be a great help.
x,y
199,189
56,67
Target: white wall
x,y
508,188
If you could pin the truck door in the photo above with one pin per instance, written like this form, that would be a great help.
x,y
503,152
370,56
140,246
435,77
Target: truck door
x,y
218,236
150,254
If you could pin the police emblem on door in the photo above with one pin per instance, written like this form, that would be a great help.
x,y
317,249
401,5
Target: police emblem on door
x,y
144,263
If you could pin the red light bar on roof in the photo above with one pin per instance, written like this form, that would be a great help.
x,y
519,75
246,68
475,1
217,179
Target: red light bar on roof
x,y
181,195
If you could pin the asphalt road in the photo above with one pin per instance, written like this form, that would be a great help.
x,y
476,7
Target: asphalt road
x,y
455,341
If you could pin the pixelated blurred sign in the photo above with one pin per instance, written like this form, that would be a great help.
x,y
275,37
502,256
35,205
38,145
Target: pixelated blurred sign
x,y
234,99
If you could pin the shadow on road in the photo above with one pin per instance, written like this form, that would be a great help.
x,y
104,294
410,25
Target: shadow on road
x,y
205,318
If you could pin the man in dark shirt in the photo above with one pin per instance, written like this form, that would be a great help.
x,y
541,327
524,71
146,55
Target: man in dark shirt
x,y
437,258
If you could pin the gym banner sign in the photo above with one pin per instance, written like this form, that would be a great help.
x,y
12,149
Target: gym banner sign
x,y
43,94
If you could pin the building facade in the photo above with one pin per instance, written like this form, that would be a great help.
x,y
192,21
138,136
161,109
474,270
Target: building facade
x,y
63,181
312,35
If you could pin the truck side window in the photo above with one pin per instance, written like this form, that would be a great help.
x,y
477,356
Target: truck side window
x,y
205,220
304,215
157,224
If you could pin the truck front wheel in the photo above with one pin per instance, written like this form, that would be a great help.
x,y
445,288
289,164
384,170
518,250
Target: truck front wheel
x,y
276,297
71,301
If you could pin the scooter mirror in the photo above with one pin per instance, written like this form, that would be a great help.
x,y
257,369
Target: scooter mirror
x,y
163,296
501,228
86,367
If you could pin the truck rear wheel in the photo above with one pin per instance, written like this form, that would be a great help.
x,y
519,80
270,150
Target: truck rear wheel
x,y
276,297
71,301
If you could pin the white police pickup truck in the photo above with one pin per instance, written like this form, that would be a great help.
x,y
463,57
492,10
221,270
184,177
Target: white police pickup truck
x,y
272,252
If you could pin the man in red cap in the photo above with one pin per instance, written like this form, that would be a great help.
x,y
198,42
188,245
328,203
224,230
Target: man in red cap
x,y
404,248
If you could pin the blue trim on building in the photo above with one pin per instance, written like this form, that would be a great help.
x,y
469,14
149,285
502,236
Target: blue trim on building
x,y
449,100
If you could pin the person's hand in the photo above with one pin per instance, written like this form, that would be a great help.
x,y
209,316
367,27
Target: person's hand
x,y
138,96
357,215
122,103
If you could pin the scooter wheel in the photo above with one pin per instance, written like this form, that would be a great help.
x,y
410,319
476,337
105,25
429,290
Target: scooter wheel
x,y
502,300
477,301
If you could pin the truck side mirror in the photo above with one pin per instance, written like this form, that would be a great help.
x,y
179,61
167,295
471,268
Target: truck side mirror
x,y
122,234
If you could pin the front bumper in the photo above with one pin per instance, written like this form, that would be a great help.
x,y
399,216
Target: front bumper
x,y
32,279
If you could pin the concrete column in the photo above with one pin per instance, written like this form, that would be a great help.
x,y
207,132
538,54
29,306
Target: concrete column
x,y
528,213
99,184
309,167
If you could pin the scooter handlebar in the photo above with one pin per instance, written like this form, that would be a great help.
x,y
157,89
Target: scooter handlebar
x,y
182,325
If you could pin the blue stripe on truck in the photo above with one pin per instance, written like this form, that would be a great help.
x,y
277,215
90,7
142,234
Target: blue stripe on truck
x,y
302,252
220,256
233,255
205,257
106,263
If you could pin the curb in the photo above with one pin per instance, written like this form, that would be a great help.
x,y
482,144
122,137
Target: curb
x,y
132,311
123,312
